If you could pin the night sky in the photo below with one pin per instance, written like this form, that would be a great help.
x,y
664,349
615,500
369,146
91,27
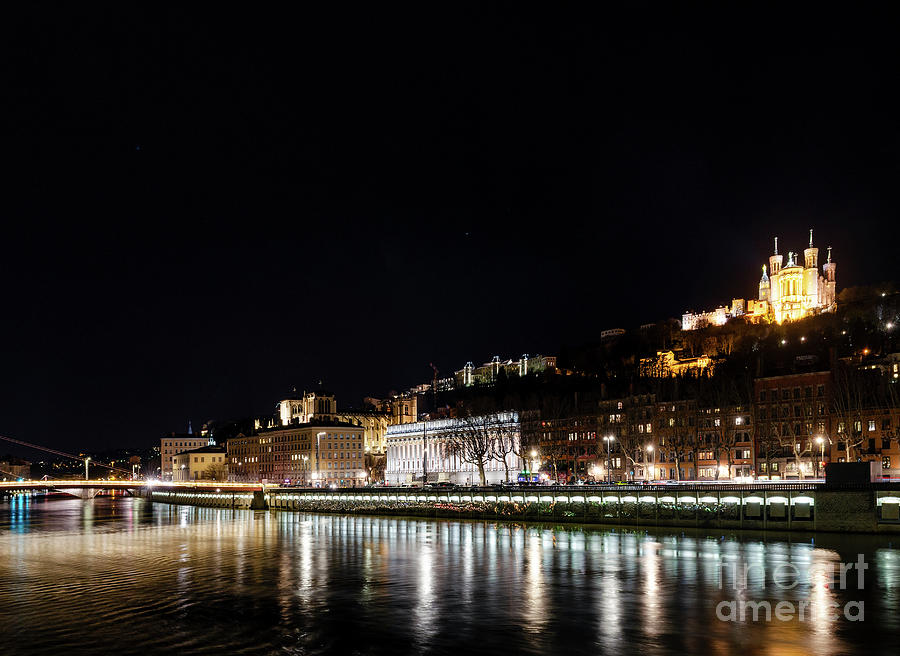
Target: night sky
x,y
201,210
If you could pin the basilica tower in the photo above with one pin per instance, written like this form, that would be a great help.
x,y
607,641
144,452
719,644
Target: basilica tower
x,y
764,286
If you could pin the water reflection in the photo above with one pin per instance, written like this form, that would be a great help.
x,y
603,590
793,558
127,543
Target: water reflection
x,y
202,580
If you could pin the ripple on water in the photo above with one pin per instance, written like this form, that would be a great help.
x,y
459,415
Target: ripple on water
x,y
126,576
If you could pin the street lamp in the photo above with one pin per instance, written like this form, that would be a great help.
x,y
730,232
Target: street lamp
x,y
182,473
86,461
533,458
608,439
648,474
318,473
305,459
821,442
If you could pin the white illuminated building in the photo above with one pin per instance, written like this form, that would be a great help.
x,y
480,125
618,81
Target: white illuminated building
x,y
405,444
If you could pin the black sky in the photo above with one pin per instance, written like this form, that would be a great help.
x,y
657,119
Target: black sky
x,y
203,209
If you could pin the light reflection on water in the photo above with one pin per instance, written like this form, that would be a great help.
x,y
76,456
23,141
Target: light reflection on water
x,y
127,576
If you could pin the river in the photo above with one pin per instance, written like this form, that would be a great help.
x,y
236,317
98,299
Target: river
x,y
126,576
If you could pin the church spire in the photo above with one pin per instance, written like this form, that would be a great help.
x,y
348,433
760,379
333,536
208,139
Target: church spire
x,y
810,237
829,255
776,245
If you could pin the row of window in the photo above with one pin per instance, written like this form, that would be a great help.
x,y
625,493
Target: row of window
x,y
740,454
858,424
202,459
788,392
797,411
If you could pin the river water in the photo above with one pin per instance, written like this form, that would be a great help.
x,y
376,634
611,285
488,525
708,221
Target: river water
x,y
123,575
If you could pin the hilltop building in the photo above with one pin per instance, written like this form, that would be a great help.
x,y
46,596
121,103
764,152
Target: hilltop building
x,y
797,290
487,373
668,363
787,292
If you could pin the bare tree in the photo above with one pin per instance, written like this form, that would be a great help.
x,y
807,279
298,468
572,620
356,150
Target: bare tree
x,y
723,398
765,437
523,446
678,434
375,463
506,439
796,439
853,392
621,424
472,441
545,428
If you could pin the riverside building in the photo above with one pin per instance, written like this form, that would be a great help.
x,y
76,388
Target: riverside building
x,y
317,453
173,444
406,444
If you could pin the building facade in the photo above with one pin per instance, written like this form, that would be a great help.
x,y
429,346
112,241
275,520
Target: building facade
x,y
206,463
318,453
793,425
667,363
725,443
320,405
173,444
797,289
406,444
641,438
14,468
487,373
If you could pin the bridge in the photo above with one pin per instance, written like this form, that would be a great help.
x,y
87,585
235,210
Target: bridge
x,y
233,494
90,488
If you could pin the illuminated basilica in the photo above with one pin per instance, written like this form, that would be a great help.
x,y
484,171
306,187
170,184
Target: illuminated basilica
x,y
787,292
797,289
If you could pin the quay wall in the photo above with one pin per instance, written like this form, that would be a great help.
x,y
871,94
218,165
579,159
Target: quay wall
x,y
785,507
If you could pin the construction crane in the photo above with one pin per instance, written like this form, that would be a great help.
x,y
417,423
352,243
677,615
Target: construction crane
x,y
434,380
